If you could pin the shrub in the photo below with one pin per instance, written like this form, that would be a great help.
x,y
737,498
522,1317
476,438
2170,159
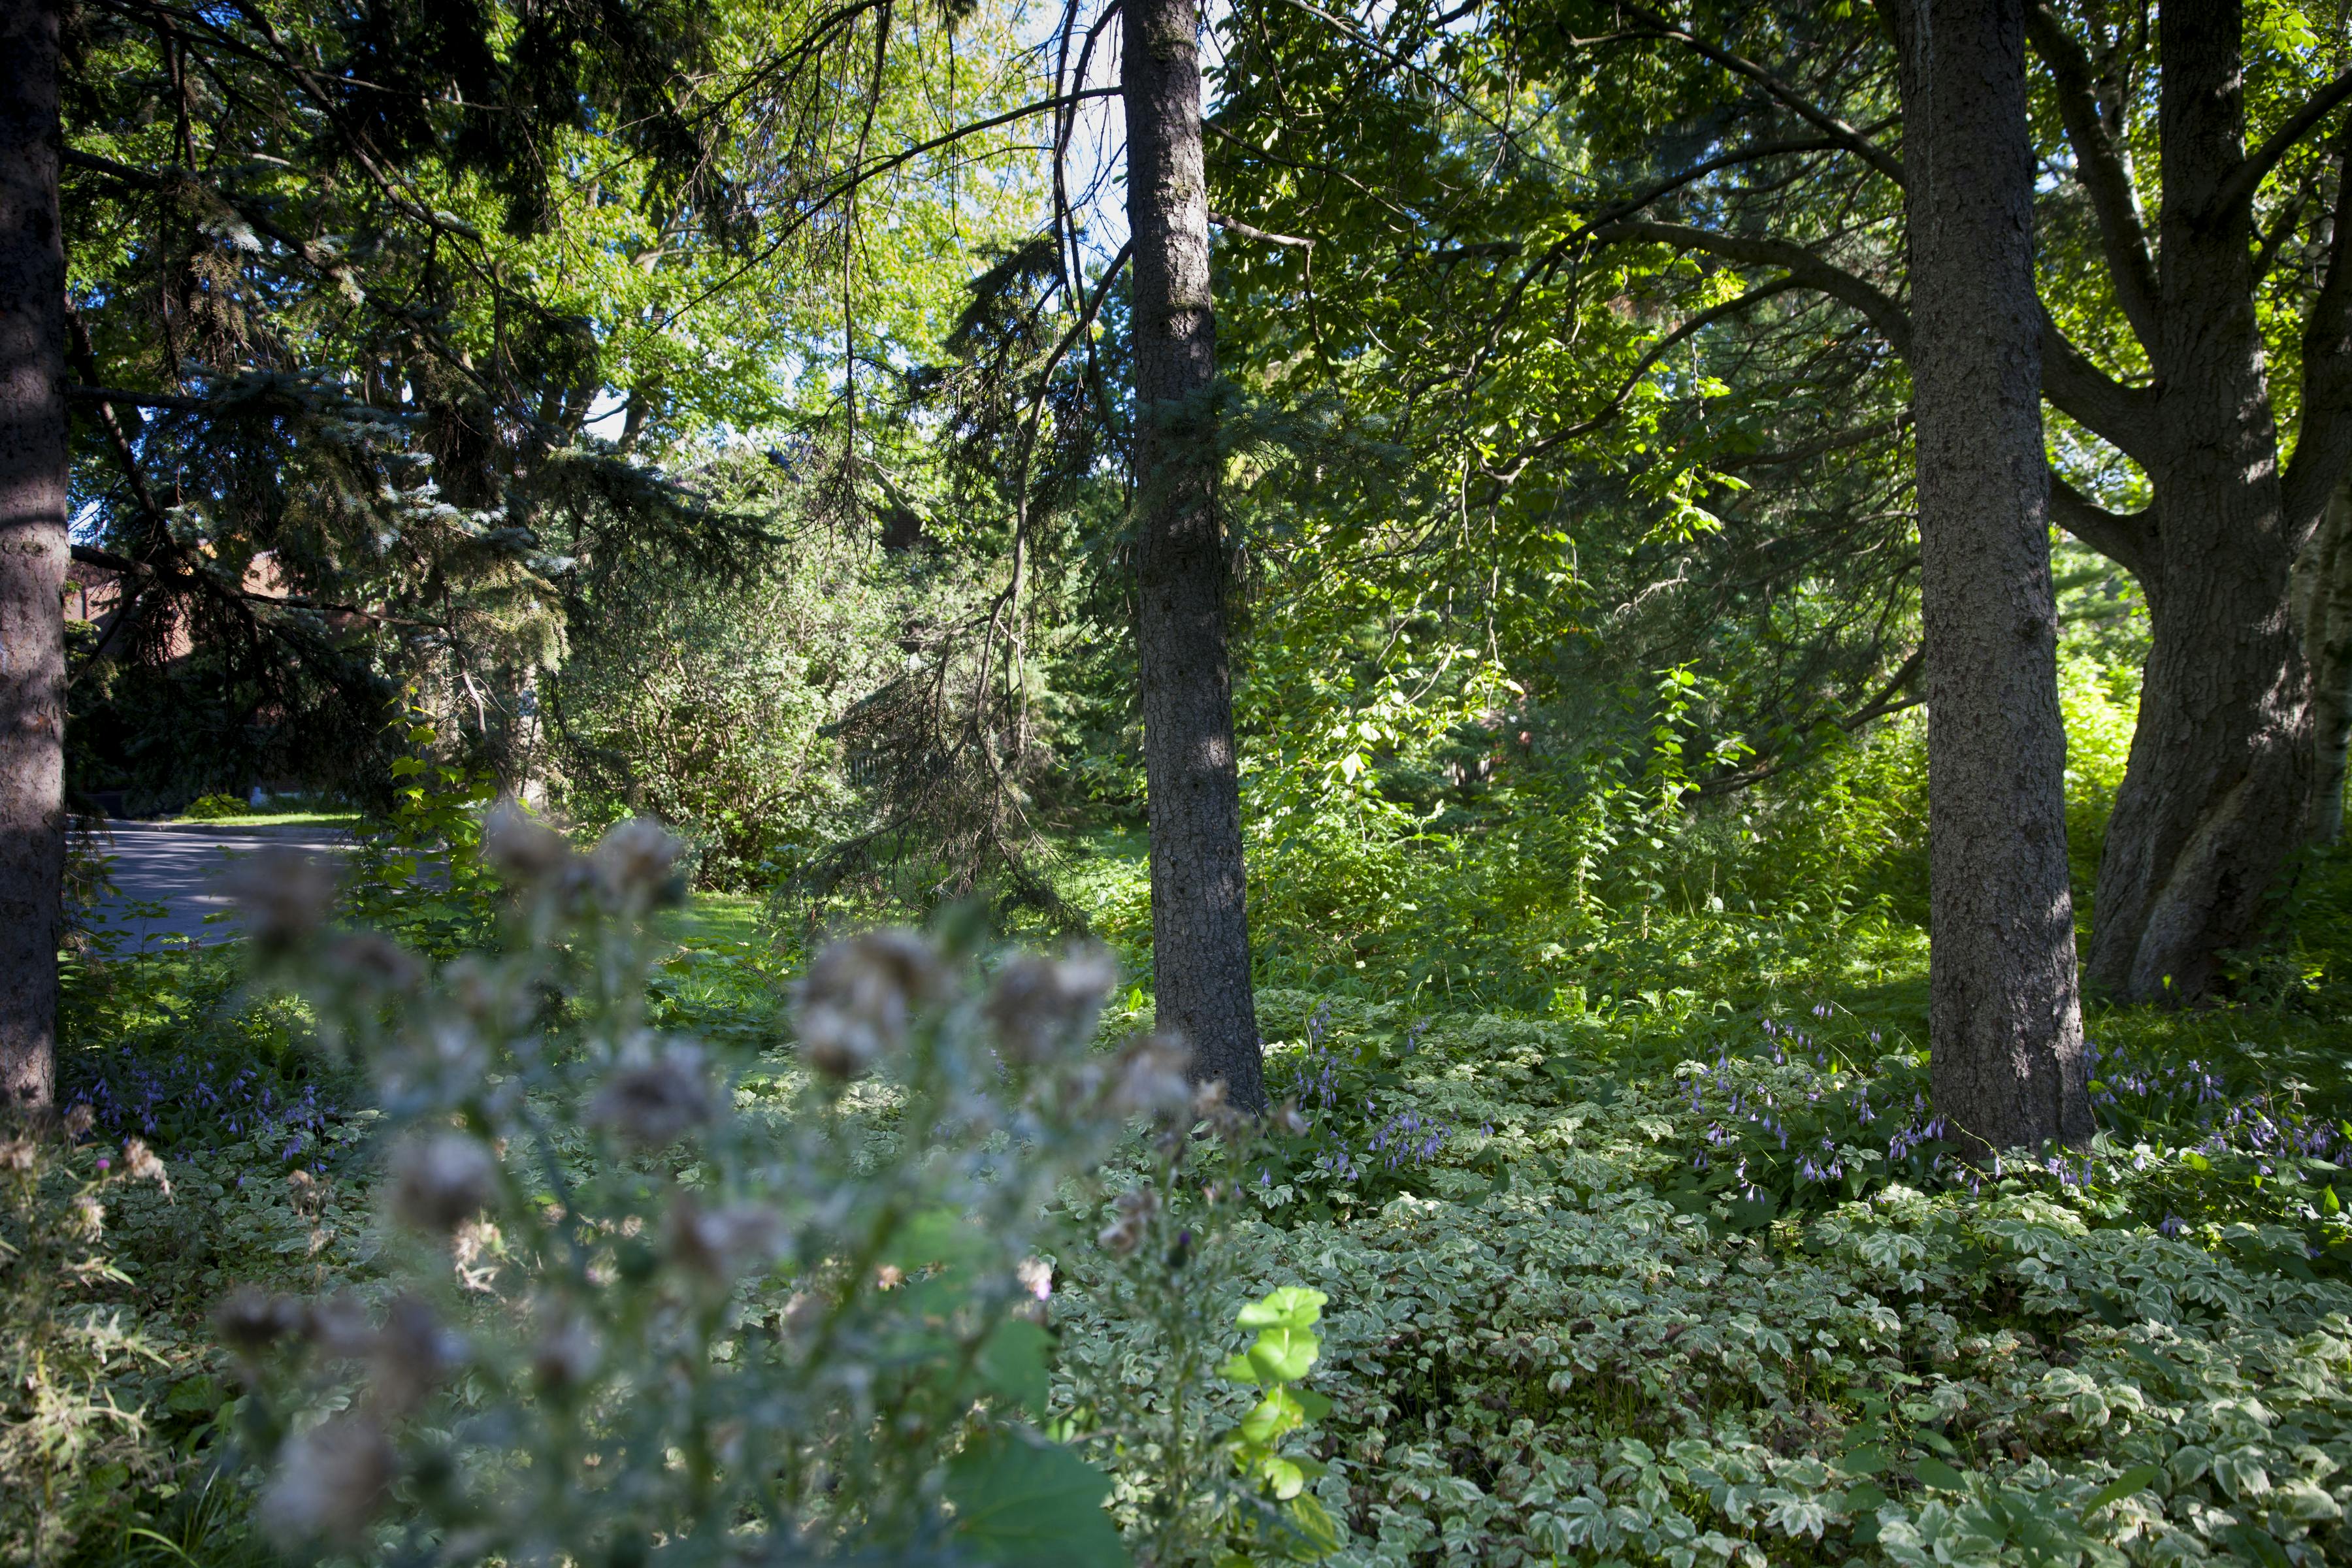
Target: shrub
x,y
214,808
638,1288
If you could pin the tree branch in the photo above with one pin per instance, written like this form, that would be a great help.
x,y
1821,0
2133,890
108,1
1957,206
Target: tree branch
x,y
1894,696
1246,232
2128,539
2238,189
2099,165
1804,451
1846,136
2116,412
2323,447
1642,367
1879,308
106,395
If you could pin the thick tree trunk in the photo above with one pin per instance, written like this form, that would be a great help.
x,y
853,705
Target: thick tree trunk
x,y
2004,1026
2218,792
2323,613
1199,931
33,550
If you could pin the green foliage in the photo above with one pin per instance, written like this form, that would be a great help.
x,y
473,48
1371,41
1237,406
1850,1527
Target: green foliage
x,y
1285,1347
74,1452
711,705
214,808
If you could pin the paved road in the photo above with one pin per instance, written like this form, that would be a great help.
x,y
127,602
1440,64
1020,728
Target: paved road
x,y
179,869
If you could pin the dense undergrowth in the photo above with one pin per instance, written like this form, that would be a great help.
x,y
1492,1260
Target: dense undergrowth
x,y
1640,1239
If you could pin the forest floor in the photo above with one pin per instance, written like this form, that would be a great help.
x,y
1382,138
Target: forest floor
x,y
1676,1268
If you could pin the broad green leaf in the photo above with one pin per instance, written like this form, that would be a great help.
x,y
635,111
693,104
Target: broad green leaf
x,y
2137,1478
1013,1363
1283,1354
1939,1475
1020,1500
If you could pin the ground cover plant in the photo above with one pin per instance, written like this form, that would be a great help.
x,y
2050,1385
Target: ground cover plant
x,y
1645,1273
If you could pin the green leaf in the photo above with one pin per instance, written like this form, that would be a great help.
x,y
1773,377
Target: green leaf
x,y
1939,1475
1013,1363
1293,1306
1283,1354
2137,1478
1319,1533
1020,1500
200,1394
1283,1478
1272,1417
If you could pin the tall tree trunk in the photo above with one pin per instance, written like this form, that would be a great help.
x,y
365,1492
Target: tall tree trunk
x,y
2005,1028
33,550
2323,613
2217,794
1199,931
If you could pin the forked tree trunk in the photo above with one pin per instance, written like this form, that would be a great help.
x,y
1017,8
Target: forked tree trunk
x,y
1199,931
2217,795
33,550
2005,1031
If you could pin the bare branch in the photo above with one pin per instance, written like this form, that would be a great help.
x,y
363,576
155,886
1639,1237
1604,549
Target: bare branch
x,y
1246,232
1641,368
2128,539
1804,267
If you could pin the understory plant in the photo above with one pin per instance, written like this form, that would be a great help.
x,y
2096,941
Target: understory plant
x,y
639,1296
71,1448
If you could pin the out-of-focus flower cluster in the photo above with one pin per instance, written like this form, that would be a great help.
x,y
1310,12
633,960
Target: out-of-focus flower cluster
x,y
684,1306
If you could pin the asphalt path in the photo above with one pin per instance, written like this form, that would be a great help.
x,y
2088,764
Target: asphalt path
x,y
167,876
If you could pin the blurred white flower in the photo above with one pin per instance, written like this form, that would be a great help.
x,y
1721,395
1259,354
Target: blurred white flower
x,y
442,1180
1150,1080
654,1099
251,1320
410,1353
1042,1005
858,998
565,1354
287,897
330,1481
520,847
636,863
719,1244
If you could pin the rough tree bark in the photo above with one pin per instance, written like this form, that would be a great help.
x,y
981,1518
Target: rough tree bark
x,y
2005,1030
2324,612
1199,931
2218,792
33,550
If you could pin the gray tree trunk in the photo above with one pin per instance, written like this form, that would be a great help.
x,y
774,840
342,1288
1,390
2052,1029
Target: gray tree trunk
x,y
1200,931
2323,615
2218,792
2005,1030
33,550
